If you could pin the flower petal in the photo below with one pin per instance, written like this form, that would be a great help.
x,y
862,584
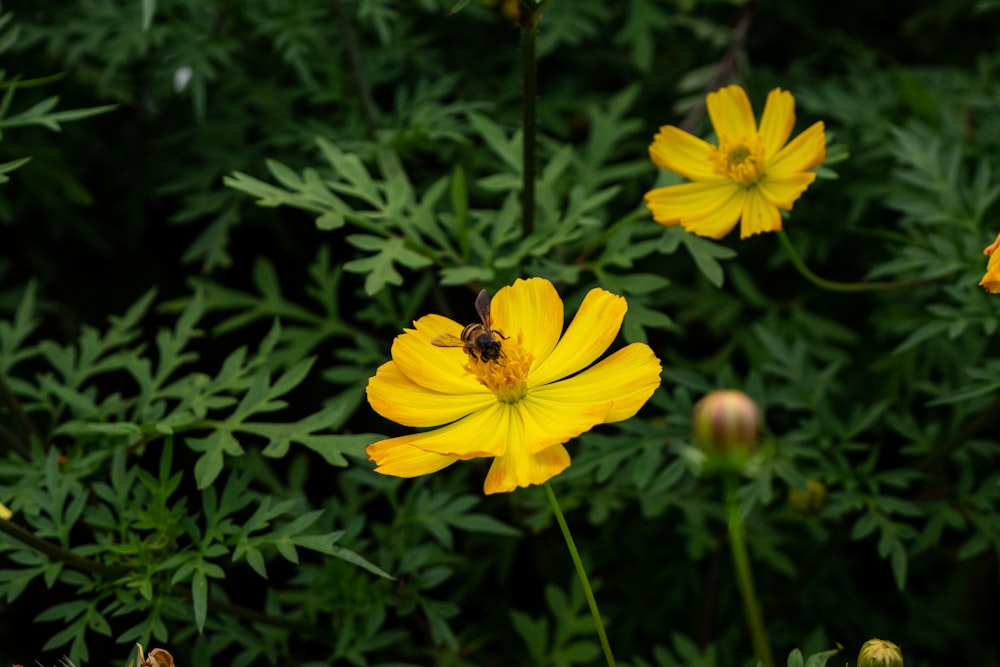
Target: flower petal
x,y
552,419
778,120
395,396
759,215
615,388
991,280
731,113
784,190
706,209
398,458
480,434
676,203
590,333
519,467
532,307
439,369
804,152
992,248
683,153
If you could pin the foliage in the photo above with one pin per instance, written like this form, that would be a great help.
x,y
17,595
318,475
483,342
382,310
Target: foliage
x,y
230,209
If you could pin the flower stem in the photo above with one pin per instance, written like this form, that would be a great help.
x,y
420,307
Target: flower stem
x,y
528,20
863,286
582,573
744,575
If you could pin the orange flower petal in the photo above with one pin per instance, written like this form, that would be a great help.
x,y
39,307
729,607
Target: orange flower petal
x,y
439,369
395,396
731,113
682,153
531,307
778,120
590,333
398,458
676,203
991,281
519,467
804,152
759,215
482,434
784,190
616,387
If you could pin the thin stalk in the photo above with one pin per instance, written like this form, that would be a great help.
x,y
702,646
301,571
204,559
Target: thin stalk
x,y
744,575
582,573
863,286
529,13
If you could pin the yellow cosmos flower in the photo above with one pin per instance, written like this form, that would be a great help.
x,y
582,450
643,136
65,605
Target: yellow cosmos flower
x,y
520,408
753,172
991,281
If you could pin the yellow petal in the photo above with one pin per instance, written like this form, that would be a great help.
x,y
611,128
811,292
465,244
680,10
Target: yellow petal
x,y
532,307
617,386
395,396
552,418
519,467
759,215
480,434
804,152
992,248
397,458
778,120
590,333
5,512
782,191
731,113
439,369
676,203
719,221
682,153
991,281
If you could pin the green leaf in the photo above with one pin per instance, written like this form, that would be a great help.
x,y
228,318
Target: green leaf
x,y
199,598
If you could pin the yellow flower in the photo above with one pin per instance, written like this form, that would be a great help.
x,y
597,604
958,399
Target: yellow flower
x,y
520,408
753,172
991,281
5,512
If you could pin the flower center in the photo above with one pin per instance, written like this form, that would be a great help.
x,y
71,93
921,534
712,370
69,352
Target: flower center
x,y
507,377
740,159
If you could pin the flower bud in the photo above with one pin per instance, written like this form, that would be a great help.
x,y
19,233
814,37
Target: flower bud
x,y
810,501
880,653
726,422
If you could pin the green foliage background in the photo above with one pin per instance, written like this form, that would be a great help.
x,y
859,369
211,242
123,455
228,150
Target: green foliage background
x,y
231,208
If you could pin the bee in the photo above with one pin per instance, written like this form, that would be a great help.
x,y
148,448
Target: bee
x,y
479,338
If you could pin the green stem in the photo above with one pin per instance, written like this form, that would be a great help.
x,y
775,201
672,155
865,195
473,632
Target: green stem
x,y
835,286
744,575
529,13
582,573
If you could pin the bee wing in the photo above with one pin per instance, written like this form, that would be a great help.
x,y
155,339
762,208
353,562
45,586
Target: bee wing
x,y
448,340
483,308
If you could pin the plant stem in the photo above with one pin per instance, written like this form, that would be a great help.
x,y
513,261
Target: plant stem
x,y
835,286
744,575
582,573
528,20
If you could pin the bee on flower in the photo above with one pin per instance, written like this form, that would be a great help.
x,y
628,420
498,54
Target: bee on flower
x,y
514,388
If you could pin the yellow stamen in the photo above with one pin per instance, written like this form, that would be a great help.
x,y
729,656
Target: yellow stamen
x,y
507,377
740,159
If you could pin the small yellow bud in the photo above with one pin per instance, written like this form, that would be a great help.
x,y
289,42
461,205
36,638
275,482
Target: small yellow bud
x,y
810,501
726,422
5,512
880,653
